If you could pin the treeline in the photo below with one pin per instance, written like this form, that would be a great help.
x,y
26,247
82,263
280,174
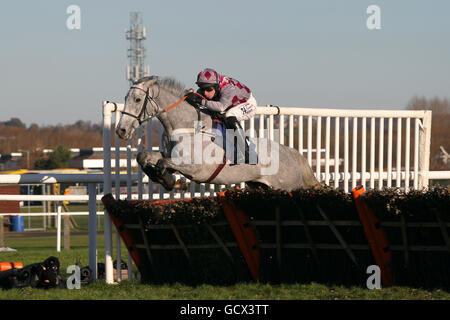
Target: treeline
x,y
32,140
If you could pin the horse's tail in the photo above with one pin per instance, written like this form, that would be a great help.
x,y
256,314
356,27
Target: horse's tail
x,y
308,178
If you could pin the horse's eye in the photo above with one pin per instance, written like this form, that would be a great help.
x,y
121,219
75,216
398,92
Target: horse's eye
x,y
138,100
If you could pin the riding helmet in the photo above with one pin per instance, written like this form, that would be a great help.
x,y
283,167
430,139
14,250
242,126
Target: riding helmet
x,y
208,78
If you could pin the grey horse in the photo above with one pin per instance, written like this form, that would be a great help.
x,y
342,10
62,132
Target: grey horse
x,y
190,148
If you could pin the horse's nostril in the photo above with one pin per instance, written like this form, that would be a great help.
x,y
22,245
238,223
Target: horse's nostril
x,y
120,132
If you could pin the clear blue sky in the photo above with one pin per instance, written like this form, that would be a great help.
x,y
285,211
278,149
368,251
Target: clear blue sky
x,y
315,53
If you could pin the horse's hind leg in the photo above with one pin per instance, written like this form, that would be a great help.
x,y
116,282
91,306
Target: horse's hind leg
x,y
255,185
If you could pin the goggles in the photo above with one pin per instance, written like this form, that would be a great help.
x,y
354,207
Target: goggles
x,y
208,89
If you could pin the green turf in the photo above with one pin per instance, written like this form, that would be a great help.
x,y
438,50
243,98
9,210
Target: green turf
x,y
131,290
31,250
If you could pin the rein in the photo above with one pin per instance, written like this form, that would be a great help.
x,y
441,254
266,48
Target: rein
x,y
152,100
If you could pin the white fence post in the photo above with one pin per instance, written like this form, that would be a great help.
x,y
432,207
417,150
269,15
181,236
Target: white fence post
x,y
424,154
389,155
363,151
92,230
108,108
58,227
117,186
336,152
398,182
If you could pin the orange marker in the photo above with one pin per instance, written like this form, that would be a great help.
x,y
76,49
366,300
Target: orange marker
x,y
10,265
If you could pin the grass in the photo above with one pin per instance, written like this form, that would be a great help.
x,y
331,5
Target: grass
x,y
81,221
131,290
31,250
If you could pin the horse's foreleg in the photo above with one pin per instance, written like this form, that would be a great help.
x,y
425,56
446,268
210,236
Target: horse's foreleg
x,y
166,179
148,160
157,172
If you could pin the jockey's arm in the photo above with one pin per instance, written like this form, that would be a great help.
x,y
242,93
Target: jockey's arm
x,y
226,98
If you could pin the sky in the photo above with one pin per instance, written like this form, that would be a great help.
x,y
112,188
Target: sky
x,y
312,53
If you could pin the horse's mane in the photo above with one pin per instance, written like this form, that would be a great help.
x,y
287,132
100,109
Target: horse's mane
x,y
168,83
173,86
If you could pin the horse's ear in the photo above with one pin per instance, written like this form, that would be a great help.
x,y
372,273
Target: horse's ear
x,y
147,80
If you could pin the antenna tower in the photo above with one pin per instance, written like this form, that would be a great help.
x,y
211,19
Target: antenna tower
x,y
136,51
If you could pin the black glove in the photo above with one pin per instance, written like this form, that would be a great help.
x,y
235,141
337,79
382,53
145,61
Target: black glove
x,y
193,99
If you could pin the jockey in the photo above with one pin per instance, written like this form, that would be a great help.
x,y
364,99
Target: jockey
x,y
229,97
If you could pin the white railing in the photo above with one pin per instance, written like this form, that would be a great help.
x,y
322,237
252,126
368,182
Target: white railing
x,y
92,197
411,161
382,159
366,145
56,214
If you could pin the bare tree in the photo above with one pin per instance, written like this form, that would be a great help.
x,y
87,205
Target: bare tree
x,y
440,127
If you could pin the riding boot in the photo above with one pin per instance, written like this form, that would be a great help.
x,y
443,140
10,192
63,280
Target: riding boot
x,y
242,156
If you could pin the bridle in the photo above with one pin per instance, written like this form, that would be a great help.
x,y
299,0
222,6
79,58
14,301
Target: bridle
x,y
144,113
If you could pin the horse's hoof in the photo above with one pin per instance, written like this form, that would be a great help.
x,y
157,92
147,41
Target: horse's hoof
x,y
150,171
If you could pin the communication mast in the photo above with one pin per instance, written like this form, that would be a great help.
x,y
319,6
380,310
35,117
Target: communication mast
x,y
136,51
